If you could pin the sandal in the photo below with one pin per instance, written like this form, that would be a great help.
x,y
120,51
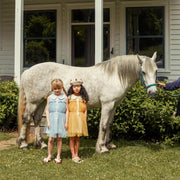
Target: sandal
x,y
77,160
58,161
46,160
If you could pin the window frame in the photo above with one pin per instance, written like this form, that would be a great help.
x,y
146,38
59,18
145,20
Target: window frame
x,y
122,16
47,7
147,36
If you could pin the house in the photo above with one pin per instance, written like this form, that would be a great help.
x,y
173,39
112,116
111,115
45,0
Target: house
x,y
86,32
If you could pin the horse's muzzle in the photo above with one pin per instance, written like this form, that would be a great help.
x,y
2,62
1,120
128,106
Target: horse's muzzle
x,y
152,94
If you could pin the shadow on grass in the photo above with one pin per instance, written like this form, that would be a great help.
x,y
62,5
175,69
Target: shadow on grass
x,y
87,146
150,145
86,149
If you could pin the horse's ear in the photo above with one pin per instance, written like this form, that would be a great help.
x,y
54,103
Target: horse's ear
x,y
154,56
140,60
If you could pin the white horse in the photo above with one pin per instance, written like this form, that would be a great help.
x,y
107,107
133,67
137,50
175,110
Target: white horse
x,y
106,84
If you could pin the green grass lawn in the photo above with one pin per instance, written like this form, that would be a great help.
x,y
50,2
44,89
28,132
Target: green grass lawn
x,y
132,160
5,136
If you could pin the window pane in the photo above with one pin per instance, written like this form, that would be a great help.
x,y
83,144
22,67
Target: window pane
x,y
145,21
39,37
145,32
106,39
40,24
87,15
147,46
38,51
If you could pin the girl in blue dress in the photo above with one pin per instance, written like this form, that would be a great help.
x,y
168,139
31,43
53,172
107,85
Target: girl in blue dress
x,y
56,119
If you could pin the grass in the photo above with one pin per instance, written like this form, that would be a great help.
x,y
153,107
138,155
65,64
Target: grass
x,y
132,160
5,136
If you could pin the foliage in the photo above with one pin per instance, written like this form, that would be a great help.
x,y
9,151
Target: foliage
x,y
140,117
131,160
137,117
36,52
8,104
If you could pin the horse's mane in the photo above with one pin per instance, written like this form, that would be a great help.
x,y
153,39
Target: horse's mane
x,y
126,66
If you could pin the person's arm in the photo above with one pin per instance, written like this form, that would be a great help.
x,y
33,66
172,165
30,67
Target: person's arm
x,y
173,85
67,115
47,113
161,85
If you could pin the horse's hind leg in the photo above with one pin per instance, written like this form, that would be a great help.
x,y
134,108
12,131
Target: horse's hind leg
x,y
21,140
105,114
37,119
109,143
26,117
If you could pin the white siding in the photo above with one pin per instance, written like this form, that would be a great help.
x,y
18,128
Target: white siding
x,y
7,38
174,39
172,30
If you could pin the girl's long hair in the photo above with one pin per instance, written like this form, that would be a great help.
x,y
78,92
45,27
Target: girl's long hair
x,y
83,93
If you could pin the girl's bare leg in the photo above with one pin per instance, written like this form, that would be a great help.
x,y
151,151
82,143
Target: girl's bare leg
x,y
76,146
50,147
59,147
71,145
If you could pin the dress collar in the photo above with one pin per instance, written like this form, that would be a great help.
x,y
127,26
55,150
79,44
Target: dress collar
x,y
60,97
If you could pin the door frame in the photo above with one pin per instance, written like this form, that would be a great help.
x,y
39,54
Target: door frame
x,y
70,7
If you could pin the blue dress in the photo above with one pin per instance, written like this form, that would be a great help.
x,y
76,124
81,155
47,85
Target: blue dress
x,y
57,116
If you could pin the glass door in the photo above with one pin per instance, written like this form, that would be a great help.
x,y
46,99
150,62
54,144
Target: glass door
x,y
83,44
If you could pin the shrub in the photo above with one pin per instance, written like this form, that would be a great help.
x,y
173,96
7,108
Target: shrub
x,y
140,117
8,104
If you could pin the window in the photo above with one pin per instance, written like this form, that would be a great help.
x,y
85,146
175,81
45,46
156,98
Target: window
x,y
39,37
145,32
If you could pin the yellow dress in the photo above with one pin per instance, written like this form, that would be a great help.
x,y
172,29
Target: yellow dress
x,y
77,123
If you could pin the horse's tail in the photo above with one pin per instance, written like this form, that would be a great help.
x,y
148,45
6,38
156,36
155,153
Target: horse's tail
x,y
21,109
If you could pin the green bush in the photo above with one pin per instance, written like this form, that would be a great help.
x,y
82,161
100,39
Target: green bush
x,y
137,117
8,104
140,117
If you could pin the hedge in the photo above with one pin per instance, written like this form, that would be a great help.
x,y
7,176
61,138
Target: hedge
x,y
137,117
140,117
8,105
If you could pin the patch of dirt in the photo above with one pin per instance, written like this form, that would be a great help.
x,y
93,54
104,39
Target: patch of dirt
x,y
6,144
9,143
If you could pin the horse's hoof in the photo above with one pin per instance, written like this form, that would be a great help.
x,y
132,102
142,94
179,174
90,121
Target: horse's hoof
x,y
45,147
105,152
111,146
25,148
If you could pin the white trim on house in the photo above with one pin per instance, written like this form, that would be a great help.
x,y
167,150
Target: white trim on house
x,y
70,7
98,31
1,26
18,47
122,16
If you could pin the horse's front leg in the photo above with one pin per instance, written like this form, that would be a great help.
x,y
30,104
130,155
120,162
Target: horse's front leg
x,y
105,114
37,120
109,143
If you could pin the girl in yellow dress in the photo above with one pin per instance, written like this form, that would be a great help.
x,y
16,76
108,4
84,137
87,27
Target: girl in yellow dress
x,y
76,116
